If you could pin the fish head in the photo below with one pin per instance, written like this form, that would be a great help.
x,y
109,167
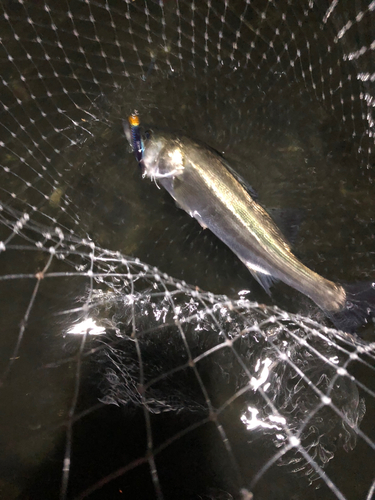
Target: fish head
x,y
163,156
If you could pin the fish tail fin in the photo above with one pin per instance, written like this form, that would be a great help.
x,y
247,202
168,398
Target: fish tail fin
x,y
359,307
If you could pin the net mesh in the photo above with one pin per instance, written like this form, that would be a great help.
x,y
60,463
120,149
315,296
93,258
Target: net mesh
x,y
117,379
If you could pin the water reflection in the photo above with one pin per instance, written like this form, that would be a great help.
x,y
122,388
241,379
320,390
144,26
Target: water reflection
x,y
286,382
87,326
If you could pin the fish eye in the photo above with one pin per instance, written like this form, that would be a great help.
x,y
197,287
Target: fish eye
x,y
148,134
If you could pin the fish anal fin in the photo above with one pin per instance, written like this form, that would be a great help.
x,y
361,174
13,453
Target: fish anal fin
x,y
265,280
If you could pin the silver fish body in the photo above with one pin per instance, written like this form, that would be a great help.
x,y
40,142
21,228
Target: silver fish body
x,y
203,184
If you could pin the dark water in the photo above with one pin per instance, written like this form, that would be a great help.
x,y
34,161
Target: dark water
x,y
271,87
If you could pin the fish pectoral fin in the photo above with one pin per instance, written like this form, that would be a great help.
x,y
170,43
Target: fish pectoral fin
x,y
193,213
265,280
180,206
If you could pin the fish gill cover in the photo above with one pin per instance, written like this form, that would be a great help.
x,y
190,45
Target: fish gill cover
x,y
119,380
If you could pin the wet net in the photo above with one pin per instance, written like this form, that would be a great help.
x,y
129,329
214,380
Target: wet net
x,y
119,380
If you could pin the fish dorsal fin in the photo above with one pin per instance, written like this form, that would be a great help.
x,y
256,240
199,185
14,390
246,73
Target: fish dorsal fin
x,y
242,181
235,174
288,220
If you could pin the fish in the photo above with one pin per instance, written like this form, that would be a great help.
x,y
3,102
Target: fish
x,y
204,185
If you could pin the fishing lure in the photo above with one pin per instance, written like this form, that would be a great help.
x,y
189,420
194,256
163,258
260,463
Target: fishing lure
x,y
136,139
